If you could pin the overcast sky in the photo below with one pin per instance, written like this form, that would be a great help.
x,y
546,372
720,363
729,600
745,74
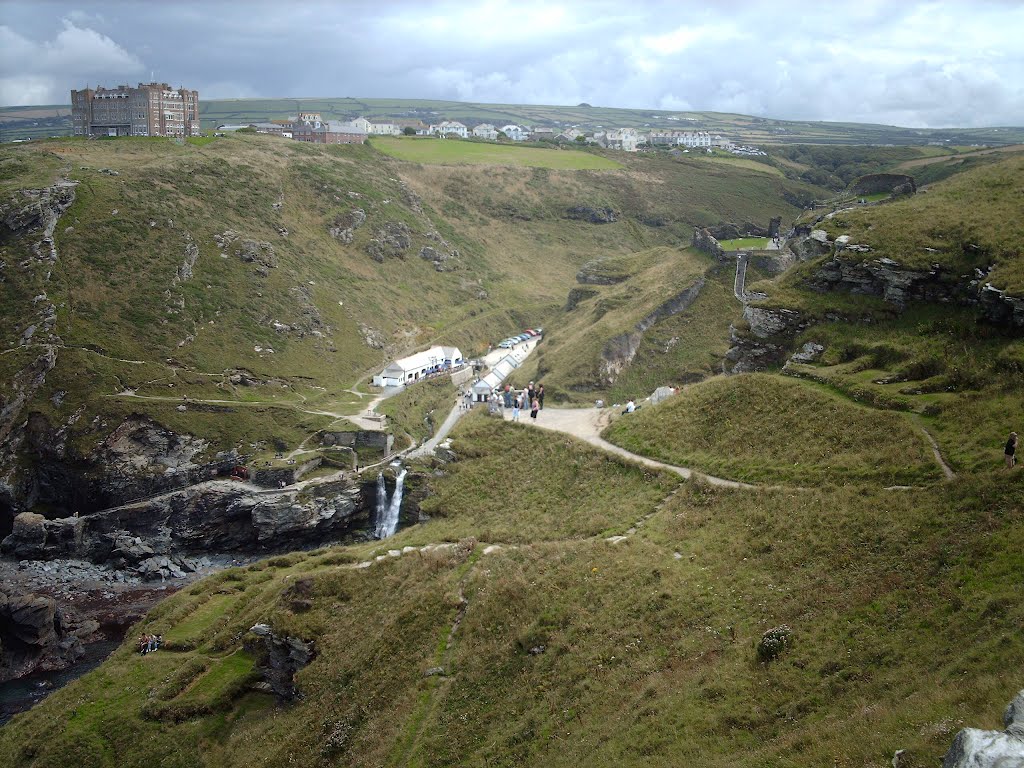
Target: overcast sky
x,y
901,62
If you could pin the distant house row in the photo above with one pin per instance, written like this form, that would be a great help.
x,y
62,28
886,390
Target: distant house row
x,y
311,127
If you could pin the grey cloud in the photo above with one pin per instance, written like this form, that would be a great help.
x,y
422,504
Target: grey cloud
x,y
911,63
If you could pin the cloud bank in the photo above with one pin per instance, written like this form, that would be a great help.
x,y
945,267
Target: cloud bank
x,y
912,63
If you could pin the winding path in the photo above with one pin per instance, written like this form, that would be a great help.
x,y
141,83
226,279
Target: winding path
x,y
587,423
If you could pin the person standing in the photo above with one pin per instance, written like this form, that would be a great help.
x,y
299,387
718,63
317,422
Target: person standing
x,y
534,407
515,407
1010,451
531,393
540,395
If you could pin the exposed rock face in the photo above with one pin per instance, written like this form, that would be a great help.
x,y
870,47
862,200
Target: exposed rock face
x,y
592,214
393,239
875,183
619,351
766,341
595,273
703,240
811,246
345,225
849,271
809,353
280,658
576,295
974,748
34,633
258,252
219,516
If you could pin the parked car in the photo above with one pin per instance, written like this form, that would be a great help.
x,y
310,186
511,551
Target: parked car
x,y
532,332
506,344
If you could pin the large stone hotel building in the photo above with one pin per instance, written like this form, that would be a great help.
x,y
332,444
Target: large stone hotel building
x,y
152,109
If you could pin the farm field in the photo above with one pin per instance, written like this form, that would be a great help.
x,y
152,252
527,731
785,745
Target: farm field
x,y
454,151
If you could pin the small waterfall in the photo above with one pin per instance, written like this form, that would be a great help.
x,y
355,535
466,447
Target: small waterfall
x,y
387,512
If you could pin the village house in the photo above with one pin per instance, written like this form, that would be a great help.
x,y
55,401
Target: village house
x,y
406,370
515,132
542,132
450,128
625,139
309,127
486,131
380,128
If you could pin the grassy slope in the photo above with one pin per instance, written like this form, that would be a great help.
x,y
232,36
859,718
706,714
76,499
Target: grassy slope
x,y
895,599
969,221
418,410
453,151
118,302
814,437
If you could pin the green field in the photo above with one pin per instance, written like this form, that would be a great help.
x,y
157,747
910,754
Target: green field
x,y
458,152
744,243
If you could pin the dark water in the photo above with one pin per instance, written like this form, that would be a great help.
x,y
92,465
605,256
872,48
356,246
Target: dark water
x,y
20,695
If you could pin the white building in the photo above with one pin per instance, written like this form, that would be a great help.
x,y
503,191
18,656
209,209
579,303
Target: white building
x,y
415,367
625,139
485,387
384,129
363,124
486,131
694,139
515,132
450,128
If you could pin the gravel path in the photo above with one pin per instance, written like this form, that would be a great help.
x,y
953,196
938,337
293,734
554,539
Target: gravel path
x,y
587,424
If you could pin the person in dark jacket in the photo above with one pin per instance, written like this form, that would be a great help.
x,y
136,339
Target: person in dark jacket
x,y
1010,451
540,395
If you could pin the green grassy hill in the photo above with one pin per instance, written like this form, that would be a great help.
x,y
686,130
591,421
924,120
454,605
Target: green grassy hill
x,y
181,267
560,648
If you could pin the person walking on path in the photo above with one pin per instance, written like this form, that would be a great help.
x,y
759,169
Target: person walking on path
x,y
540,395
534,407
1010,451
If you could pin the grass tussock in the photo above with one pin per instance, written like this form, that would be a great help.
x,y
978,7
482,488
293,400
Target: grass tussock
x,y
516,484
418,410
815,436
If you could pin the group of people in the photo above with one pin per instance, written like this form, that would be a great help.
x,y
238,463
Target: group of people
x,y
531,397
149,643
1010,451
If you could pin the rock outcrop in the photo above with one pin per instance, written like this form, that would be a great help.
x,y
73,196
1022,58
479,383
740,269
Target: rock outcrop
x,y
344,227
975,748
219,516
391,240
766,339
279,657
35,633
592,214
619,351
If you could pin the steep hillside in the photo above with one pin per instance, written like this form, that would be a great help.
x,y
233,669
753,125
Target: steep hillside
x,y
509,631
238,289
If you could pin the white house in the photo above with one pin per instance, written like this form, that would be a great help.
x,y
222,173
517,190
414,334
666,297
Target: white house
x,y
449,128
625,139
516,132
486,131
363,124
415,367
694,139
384,129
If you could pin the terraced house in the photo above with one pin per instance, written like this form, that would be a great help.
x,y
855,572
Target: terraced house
x,y
151,109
